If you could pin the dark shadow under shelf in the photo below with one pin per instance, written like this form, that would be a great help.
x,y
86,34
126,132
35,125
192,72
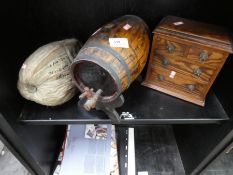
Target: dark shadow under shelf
x,y
146,105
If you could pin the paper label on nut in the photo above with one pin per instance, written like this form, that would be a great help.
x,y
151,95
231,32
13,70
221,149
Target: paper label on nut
x,y
24,66
119,42
178,23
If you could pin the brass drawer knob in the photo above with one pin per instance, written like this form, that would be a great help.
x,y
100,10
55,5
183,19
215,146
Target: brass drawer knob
x,y
165,62
160,77
197,72
203,56
191,87
170,47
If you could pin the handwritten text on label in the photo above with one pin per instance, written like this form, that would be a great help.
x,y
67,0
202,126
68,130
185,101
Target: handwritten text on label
x,y
119,42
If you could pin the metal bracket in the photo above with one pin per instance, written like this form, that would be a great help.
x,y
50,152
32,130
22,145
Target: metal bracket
x,y
126,116
110,108
89,100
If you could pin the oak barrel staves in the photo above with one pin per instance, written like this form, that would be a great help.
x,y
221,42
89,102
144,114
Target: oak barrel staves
x,y
100,65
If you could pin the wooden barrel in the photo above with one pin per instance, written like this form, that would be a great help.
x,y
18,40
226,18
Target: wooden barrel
x,y
113,57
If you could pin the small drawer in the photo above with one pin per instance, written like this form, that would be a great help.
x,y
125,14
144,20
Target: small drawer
x,y
201,73
210,58
176,82
163,46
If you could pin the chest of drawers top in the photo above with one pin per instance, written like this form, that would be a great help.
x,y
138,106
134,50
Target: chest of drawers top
x,y
186,57
191,31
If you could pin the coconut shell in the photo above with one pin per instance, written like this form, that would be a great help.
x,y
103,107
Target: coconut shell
x,y
45,75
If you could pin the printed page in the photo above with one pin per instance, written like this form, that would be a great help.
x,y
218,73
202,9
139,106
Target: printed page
x,y
87,151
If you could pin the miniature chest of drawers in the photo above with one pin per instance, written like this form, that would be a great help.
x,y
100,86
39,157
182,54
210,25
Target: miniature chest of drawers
x,y
186,57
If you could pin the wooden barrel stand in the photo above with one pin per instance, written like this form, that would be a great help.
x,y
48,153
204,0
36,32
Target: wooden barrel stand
x,y
110,61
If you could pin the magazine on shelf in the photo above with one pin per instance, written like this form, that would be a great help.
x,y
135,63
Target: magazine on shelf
x,y
114,163
122,144
89,150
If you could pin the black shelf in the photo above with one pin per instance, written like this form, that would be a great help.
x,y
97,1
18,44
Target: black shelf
x,y
156,150
146,105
